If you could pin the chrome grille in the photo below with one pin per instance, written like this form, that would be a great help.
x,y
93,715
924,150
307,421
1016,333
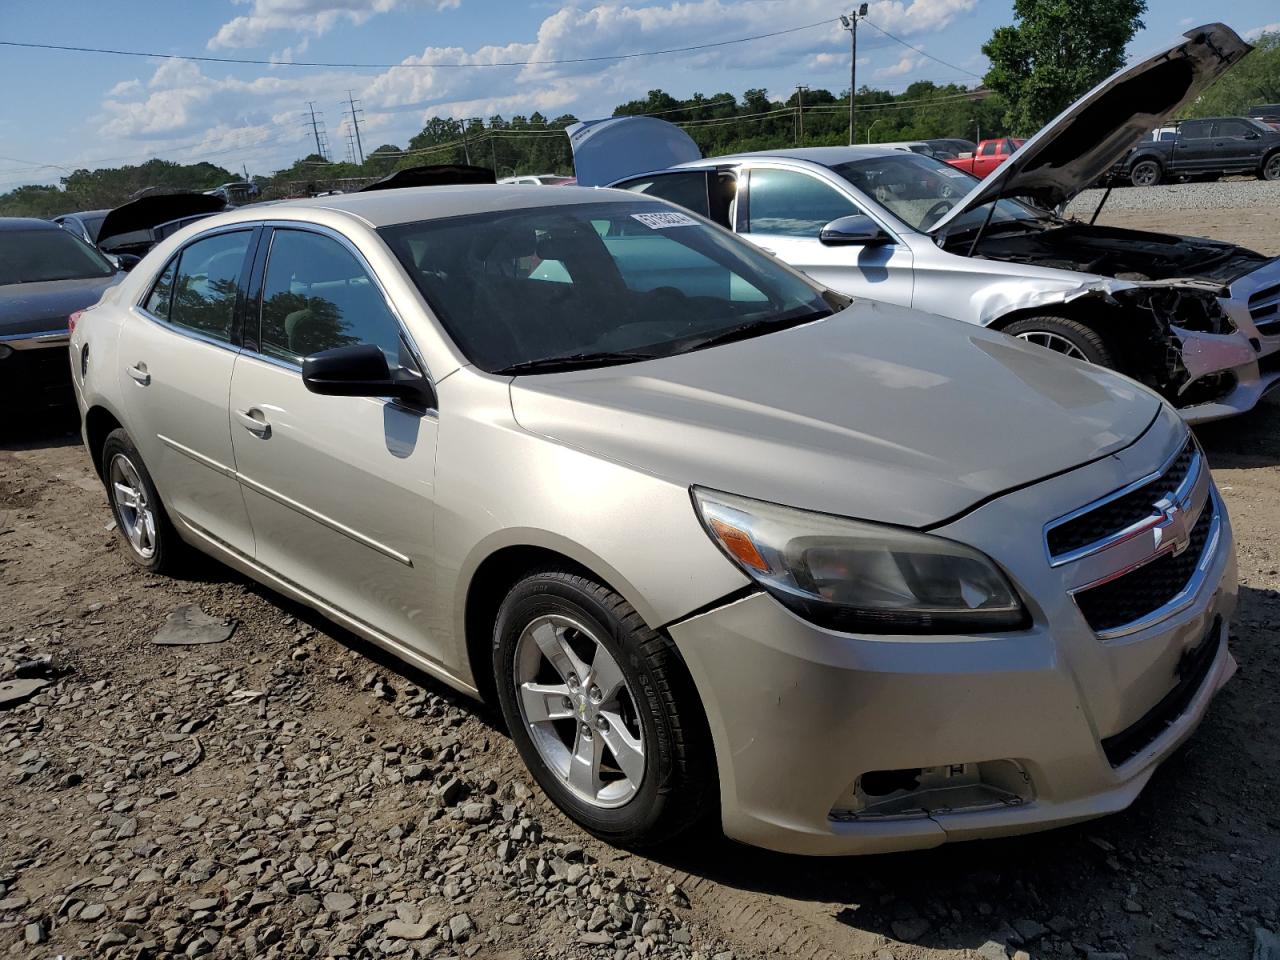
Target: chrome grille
x,y
1124,513
1264,308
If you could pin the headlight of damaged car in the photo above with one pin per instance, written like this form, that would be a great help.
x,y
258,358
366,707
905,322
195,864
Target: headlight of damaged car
x,y
860,577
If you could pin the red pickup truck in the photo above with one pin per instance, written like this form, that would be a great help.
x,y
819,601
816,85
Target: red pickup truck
x,y
989,155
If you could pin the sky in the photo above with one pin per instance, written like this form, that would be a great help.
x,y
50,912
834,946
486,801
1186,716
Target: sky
x,y
65,110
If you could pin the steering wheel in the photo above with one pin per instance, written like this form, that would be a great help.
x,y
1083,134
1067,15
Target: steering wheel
x,y
934,213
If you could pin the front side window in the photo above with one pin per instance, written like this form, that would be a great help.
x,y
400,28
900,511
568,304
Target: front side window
x,y
594,283
317,296
1236,128
40,256
790,204
204,290
988,149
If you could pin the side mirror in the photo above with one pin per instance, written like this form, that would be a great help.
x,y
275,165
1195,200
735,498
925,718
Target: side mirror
x,y
858,230
361,371
1253,136
124,261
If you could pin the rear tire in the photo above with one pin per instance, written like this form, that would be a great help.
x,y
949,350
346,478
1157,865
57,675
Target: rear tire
x,y
149,537
1270,167
1146,173
1065,336
615,687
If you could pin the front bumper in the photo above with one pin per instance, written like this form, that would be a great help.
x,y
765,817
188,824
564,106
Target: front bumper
x,y
799,714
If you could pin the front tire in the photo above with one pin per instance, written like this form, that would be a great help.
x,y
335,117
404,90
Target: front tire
x,y
1063,335
602,710
141,521
1145,173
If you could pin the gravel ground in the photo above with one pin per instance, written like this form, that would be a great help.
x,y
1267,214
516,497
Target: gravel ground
x,y
1237,192
291,792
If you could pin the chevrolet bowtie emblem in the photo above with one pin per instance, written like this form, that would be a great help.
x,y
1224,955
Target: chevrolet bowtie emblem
x,y
1174,527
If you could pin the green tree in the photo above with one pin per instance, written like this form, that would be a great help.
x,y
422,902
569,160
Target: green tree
x,y
1054,52
1254,80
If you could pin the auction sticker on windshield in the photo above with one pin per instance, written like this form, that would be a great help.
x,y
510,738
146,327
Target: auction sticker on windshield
x,y
661,221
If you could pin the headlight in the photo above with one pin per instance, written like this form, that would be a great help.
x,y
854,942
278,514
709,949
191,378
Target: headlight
x,y
860,577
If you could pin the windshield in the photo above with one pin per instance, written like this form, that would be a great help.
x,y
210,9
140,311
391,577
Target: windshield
x,y
35,256
594,283
920,190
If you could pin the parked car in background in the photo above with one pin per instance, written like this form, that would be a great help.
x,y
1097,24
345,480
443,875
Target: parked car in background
x,y
598,460
988,155
237,193
85,224
47,274
1197,320
539,180
955,146
133,228
1205,148
910,146
1269,112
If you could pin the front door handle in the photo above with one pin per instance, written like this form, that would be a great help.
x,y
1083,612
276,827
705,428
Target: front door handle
x,y
139,374
255,421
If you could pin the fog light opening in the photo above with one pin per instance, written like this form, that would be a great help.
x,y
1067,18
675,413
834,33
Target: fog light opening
x,y
925,791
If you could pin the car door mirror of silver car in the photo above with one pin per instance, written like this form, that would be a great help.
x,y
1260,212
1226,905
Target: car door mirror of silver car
x,y
361,370
857,230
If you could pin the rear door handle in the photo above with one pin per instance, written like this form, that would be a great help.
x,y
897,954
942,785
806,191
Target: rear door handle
x,y
258,425
139,374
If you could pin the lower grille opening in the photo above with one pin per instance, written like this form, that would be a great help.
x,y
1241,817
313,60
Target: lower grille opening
x,y
917,792
1192,671
1133,596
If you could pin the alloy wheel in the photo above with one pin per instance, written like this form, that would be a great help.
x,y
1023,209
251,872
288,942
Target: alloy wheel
x,y
1054,342
1145,175
1272,169
579,711
134,512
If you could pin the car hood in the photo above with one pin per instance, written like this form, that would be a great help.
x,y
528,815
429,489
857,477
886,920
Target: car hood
x,y
1082,143
43,307
605,151
878,412
147,212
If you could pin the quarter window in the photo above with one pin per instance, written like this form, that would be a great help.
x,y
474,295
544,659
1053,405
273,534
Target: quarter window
x,y
317,296
157,302
791,204
204,289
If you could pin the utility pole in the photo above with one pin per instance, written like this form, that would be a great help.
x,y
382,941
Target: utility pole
x,y
315,126
800,89
850,23
355,122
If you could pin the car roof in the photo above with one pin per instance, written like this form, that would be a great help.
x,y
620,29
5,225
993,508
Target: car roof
x,y
383,208
86,213
13,224
826,156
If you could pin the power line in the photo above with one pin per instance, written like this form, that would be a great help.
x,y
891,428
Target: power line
x,y
429,66
918,50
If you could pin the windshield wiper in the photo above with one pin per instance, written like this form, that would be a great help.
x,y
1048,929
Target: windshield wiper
x,y
754,328
573,361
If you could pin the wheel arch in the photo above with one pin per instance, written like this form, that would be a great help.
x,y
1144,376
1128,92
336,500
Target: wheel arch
x,y
99,421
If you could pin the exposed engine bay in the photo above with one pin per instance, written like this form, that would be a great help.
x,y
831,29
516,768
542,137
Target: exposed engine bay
x,y
1158,297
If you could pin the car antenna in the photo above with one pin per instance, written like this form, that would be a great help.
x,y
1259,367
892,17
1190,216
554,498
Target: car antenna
x,y
1098,209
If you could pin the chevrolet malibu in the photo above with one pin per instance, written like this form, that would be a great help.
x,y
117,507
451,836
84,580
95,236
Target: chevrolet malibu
x,y
720,542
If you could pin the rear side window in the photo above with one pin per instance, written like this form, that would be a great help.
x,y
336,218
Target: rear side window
x,y
791,204
158,300
317,295
204,293
1194,128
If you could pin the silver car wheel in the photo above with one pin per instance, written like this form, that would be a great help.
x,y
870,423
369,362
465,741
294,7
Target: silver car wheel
x,y
1054,342
133,510
579,711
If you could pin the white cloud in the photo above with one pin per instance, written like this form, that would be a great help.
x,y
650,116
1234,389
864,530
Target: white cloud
x,y
124,88
314,17
906,64
1256,32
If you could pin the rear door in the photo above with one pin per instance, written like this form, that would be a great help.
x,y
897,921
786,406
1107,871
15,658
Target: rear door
x,y
340,489
1194,150
177,354
784,211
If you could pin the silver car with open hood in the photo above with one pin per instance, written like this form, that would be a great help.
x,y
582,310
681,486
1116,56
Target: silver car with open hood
x,y
1196,320
718,540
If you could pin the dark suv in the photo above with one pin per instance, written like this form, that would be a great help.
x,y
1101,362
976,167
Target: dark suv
x,y
1204,148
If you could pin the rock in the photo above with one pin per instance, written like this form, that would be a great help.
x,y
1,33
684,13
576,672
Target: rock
x,y
1029,930
9,904
1132,906
993,951
911,930
399,930
600,939
188,625
339,902
92,912
33,933
574,873
461,926
1105,955
1266,945
205,903
14,692
451,791
477,812
656,925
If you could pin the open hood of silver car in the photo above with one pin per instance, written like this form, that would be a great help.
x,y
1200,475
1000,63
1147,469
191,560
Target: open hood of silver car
x,y
605,151
1072,151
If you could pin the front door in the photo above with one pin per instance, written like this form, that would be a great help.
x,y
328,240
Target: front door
x,y
785,210
340,489
177,355
1237,144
